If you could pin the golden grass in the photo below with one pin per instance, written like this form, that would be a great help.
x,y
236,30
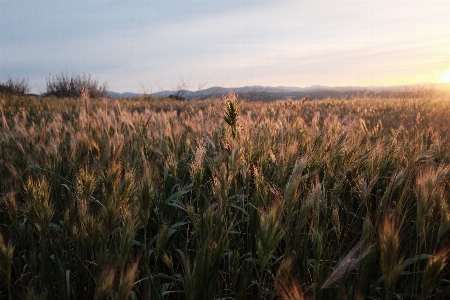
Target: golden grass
x,y
224,199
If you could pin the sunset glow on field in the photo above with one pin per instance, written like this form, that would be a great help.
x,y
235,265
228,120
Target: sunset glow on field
x,y
445,77
225,149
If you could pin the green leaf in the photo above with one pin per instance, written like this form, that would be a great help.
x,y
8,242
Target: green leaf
x,y
176,195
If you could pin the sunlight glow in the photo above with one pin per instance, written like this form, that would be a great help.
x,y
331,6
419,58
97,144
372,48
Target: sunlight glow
x,y
445,77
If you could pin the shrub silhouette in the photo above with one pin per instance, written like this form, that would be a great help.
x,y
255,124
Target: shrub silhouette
x,y
15,87
63,85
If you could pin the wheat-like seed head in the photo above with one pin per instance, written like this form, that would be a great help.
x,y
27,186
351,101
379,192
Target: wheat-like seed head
x,y
6,258
4,122
286,286
347,264
11,205
105,284
391,264
197,164
433,270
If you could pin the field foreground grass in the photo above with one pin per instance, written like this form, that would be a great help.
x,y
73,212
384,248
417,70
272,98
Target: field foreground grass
x,y
221,199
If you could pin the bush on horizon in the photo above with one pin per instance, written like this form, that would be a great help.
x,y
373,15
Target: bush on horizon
x,y
65,86
15,87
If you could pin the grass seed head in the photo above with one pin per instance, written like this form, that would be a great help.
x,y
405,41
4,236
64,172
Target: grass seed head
x,y
38,207
11,206
433,270
231,113
6,258
391,264
126,281
286,286
105,284
349,263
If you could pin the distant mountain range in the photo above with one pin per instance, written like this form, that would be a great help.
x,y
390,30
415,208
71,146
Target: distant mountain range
x,y
267,93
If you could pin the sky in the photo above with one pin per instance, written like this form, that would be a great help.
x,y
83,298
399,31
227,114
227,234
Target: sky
x,y
150,46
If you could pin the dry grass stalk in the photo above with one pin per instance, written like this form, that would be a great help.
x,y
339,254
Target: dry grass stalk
x,y
86,99
5,123
349,263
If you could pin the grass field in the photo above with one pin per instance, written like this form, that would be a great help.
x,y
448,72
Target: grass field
x,y
224,199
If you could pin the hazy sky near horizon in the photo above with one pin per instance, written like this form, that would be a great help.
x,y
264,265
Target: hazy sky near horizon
x,y
154,45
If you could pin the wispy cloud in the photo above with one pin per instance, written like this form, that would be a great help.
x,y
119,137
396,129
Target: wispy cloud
x,y
247,42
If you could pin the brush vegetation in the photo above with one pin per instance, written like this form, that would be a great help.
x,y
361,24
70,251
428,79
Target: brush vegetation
x,y
224,199
73,86
15,87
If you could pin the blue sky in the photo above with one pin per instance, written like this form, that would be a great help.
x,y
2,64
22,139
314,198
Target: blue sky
x,y
154,45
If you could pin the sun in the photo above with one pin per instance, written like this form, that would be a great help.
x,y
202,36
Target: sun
x,y
445,77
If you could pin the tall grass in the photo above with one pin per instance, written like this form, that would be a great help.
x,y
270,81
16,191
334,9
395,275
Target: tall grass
x,y
224,199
